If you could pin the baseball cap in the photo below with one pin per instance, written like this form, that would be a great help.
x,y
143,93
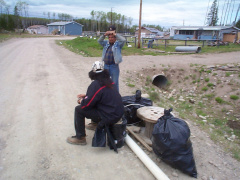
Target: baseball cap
x,y
112,28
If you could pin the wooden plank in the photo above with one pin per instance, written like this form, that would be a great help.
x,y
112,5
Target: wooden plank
x,y
140,140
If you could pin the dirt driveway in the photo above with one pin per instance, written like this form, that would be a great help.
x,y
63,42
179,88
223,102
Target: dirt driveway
x,y
39,81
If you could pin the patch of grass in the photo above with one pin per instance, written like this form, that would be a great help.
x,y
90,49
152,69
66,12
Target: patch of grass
x,y
186,77
210,84
234,97
219,122
200,104
194,76
154,96
200,112
194,81
209,71
209,96
227,74
204,89
130,85
219,100
206,79
214,74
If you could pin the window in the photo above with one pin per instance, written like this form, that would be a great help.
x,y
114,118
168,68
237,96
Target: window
x,y
186,32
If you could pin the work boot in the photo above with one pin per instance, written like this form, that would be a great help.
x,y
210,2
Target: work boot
x,y
91,126
77,141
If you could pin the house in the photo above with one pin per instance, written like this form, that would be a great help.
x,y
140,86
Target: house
x,y
147,32
204,32
65,28
37,29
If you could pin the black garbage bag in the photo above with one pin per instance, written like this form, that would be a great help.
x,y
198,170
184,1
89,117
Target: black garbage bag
x,y
99,138
170,141
131,104
118,132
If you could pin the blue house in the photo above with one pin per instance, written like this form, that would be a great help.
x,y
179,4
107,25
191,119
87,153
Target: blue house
x,y
201,32
65,28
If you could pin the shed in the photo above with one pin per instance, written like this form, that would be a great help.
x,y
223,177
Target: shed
x,y
65,28
201,32
147,32
37,29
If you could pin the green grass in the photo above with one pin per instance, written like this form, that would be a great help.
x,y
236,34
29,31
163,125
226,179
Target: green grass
x,y
210,84
206,79
234,97
204,89
219,100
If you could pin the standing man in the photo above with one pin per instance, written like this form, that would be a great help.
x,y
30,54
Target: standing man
x,y
112,53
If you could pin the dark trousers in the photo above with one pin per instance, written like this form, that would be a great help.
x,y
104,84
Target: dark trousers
x,y
79,119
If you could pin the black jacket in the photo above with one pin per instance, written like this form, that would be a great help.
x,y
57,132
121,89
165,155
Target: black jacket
x,y
107,101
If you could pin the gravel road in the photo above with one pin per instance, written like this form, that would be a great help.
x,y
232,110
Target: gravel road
x,y
39,81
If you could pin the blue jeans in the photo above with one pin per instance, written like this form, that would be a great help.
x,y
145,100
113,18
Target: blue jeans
x,y
114,73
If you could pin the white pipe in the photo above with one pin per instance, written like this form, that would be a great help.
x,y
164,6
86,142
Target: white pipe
x,y
155,170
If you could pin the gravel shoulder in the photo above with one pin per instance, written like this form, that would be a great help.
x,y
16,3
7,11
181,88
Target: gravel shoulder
x,y
39,83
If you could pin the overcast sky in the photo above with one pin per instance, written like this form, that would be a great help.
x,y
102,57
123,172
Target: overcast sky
x,y
165,13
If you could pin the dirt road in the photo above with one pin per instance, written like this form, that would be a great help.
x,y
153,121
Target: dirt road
x,y
39,81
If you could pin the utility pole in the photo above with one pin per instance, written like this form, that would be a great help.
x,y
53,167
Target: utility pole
x,y
139,29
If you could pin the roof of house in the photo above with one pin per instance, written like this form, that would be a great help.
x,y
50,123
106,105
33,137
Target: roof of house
x,y
213,28
36,26
62,23
153,30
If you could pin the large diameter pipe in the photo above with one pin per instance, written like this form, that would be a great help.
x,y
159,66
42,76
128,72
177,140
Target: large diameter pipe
x,y
195,49
152,167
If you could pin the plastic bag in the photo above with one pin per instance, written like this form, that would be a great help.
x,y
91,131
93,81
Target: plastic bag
x,y
131,104
118,132
99,138
170,141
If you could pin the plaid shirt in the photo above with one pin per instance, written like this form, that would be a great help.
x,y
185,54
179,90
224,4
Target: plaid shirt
x,y
109,58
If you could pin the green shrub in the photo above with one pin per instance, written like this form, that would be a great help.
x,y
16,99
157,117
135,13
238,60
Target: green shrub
x,y
234,97
204,89
206,79
210,84
219,100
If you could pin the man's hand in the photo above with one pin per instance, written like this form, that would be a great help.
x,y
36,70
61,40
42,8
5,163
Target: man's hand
x,y
80,97
110,33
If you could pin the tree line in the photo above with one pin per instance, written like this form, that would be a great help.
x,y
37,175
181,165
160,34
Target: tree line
x,y
99,20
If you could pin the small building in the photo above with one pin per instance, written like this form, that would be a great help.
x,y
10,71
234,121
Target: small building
x,y
65,28
202,32
147,32
37,29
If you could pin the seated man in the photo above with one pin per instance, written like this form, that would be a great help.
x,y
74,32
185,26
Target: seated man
x,y
102,103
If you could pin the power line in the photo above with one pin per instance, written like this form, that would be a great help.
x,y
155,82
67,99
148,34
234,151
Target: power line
x,y
225,13
206,13
222,12
232,11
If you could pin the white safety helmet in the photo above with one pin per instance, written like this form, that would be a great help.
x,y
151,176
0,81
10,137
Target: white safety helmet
x,y
98,67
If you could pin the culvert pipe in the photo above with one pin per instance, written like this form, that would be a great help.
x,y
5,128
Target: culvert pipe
x,y
195,49
159,80
152,167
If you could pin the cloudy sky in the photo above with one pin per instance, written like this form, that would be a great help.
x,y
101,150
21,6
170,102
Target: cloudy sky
x,y
165,13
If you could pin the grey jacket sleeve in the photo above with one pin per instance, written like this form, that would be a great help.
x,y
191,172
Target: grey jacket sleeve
x,y
101,40
121,40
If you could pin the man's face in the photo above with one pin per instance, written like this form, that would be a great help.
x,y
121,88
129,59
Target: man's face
x,y
111,39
